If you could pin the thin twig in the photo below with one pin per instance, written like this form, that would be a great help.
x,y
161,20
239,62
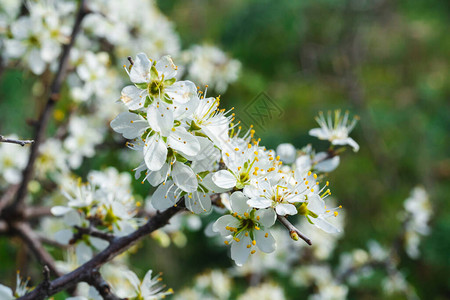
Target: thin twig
x,y
118,246
14,141
103,288
35,212
293,230
32,240
92,232
44,119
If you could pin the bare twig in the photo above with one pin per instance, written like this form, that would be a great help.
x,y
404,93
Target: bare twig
x,y
41,125
14,141
3,226
118,246
8,195
103,288
293,231
51,242
92,232
33,242
35,212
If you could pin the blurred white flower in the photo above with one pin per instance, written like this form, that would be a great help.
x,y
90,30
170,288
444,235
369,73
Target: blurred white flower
x,y
13,159
287,153
336,132
208,65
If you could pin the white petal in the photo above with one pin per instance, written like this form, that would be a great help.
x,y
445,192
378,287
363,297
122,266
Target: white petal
x,y
265,244
181,92
129,125
140,72
328,165
6,293
133,97
183,141
156,177
324,225
317,132
224,179
160,118
63,236
133,279
239,204
211,186
198,203
60,210
162,198
84,253
155,152
259,202
285,209
267,217
37,65
166,67
239,250
316,204
224,221
184,177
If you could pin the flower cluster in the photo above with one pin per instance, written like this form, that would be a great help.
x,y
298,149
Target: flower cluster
x,y
190,148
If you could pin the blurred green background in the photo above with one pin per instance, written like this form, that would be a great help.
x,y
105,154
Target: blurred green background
x,y
386,61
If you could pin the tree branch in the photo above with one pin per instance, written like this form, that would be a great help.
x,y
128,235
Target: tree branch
x,y
293,230
103,288
46,114
14,141
92,232
32,240
117,246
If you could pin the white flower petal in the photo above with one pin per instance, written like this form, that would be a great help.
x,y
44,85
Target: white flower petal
x,y
267,217
285,209
60,210
129,125
183,141
166,67
140,72
239,250
155,152
163,198
265,244
181,92
184,177
160,118
224,179
259,202
133,97
224,221
324,225
239,204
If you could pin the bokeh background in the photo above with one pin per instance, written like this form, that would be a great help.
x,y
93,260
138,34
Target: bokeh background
x,y
385,61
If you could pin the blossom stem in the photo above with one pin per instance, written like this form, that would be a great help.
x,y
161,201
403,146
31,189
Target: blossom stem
x,y
14,141
292,228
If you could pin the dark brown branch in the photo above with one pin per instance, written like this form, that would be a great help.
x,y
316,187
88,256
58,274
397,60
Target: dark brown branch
x,y
8,195
293,231
36,212
92,232
101,285
14,141
33,242
51,242
44,119
3,226
118,246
